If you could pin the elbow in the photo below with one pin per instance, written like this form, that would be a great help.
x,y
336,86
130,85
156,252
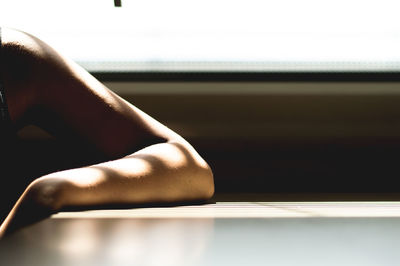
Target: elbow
x,y
210,188
196,176
205,183
196,184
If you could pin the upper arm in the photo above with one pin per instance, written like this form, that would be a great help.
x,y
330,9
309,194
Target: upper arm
x,y
97,114
69,102
66,100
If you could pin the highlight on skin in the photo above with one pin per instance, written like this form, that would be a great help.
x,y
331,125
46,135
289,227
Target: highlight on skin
x,y
142,162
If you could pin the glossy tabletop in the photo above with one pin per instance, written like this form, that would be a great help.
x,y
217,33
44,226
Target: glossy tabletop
x,y
224,233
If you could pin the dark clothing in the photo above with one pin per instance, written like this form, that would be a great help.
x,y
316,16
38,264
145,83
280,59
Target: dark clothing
x,y
7,151
4,115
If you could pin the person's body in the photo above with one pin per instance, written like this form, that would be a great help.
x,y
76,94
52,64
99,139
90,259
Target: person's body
x,y
143,161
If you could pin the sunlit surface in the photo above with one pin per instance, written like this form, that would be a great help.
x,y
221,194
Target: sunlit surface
x,y
252,210
226,233
252,35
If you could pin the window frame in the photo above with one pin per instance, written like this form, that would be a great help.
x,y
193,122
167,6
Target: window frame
x,y
174,76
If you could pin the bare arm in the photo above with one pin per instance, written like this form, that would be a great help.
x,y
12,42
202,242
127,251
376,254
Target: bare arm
x,y
161,173
146,162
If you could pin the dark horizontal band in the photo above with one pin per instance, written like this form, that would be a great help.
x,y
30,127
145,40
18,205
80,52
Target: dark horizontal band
x,y
249,76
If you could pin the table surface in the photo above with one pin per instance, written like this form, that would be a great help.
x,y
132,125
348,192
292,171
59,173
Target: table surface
x,y
223,233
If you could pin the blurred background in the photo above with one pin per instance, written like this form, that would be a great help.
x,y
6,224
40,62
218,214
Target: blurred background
x,y
278,96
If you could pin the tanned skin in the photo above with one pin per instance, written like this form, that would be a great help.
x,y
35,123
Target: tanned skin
x,y
144,161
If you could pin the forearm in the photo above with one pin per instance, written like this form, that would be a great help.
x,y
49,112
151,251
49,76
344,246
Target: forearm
x,y
161,173
68,102
165,172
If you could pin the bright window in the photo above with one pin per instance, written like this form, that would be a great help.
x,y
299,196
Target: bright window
x,y
216,35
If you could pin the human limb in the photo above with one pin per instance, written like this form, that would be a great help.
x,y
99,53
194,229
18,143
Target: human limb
x,y
144,161
161,173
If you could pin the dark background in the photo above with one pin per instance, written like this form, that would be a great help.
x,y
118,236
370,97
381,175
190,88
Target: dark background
x,y
297,142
